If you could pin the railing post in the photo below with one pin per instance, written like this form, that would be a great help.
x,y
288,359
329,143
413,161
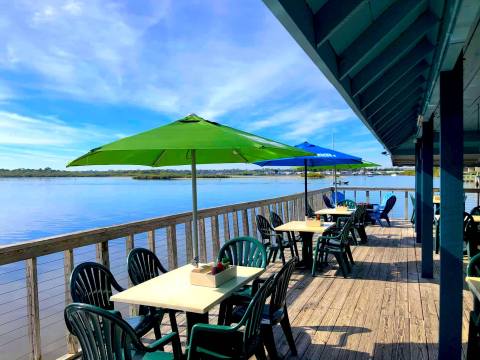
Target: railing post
x,y
368,196
202,240
188,242
380,197
151,241
253,219
215,235
102,253
172,246
226,227
236,232
405,209
285,211
72,344
291,211
129,245
245,229
33,311
355,195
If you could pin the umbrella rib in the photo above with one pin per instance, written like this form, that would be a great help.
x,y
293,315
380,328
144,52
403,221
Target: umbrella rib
x,y
240,154
158,158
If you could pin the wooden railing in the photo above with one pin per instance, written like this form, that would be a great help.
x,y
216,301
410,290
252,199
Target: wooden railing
x,y
34,270
34,275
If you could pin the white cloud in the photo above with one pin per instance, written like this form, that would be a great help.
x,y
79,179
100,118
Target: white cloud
x,y
304,120
103,51
16,129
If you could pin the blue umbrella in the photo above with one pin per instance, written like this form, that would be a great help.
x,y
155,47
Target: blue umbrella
x,y
324,157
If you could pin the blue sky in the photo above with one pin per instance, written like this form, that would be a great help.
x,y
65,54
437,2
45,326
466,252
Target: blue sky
x,y
78,74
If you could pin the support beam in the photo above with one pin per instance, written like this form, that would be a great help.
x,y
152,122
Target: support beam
x,y
374,36
399,123
392,53
397,119
451,212
391,96
331,16
426,205
403,136
414,57
418,194
408,102
409,96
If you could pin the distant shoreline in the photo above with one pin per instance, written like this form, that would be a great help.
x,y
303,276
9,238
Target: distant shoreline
x,y
168,174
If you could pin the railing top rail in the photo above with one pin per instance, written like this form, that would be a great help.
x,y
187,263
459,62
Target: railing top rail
x,y
387,188
48,245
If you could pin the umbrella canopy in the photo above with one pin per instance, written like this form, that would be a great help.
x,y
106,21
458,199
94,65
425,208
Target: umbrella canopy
x,y
173,143
322,157
191,140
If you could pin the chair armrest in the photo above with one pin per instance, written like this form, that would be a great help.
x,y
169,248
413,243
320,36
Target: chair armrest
x,y
327,237
214,340
165,339
256,285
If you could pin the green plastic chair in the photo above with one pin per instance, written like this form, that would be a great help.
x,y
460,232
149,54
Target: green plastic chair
x,y
240,341
275,312
104,335
92,283
338,246
143,265
348,203
243,251
359,224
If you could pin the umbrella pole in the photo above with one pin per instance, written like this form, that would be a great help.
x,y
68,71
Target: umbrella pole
x,y
306,186
335,183
194,208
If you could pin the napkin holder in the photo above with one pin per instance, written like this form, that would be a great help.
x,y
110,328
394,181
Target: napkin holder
x,y
202,276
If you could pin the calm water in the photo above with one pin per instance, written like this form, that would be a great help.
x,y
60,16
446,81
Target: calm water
x,y
34,208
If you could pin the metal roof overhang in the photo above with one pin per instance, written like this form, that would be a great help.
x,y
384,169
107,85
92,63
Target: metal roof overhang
x,y
384,57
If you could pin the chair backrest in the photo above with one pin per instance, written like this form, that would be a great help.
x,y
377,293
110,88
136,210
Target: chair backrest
x,y
327,201
275,219
92,283
348,203
280,287
389,204
143,265
473,268
310,211
244,251
264,228
359,215
253,315
339,195
385,197
475,211
103,335
469,227
344,223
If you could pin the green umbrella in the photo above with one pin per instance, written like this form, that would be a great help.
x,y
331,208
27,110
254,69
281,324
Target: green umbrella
x,y
191,140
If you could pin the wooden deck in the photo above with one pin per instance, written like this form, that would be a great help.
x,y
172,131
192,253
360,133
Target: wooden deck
x,y
384,310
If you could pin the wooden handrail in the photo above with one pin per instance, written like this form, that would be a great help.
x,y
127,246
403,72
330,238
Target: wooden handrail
x,y
52,244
